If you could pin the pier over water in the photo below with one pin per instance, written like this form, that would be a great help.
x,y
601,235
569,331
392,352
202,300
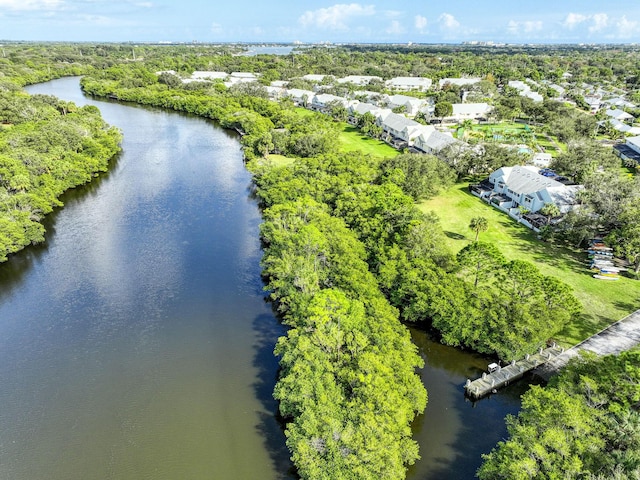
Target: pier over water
x,y
502,376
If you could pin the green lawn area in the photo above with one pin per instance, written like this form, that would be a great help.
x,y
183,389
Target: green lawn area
x,y
351,140
604,302
278,160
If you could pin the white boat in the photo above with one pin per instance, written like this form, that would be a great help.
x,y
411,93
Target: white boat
x,y
602,277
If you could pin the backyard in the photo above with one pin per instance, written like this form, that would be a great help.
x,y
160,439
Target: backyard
x,y
603,302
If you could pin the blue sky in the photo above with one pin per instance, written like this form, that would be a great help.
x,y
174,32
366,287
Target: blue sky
x,y
513,21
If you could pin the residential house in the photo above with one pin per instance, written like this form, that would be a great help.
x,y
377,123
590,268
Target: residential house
x,y
535,96
594,102
618,102
406,84
513,188
524,90
433,142
313,77
620,115
469,111
276,93
411,105
358,79
560,90
634,143
243,77
519,85
542,160
300,97
199,76
357,109
460,82
381,114
279,83
399,128
629,151
621,127
321,101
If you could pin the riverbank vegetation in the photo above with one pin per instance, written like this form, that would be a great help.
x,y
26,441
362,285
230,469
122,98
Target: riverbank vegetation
x,y
584,424
47,146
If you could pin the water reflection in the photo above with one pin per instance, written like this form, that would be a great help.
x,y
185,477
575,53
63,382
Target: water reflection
x,y
134,343
454,432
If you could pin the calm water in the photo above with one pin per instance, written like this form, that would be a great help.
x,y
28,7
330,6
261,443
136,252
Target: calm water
x,y
136,342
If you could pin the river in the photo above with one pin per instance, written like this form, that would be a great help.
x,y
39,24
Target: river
x,y
136,342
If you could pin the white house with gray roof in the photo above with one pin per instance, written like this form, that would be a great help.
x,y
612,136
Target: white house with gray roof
x,y
300,97
460,82
358,79
468,111
312,77
321,101
620,115
396,125
634,143
412,105
433,141
406,84
618,102
523,186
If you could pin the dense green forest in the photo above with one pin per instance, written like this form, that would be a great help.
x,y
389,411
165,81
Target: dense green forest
x,y
47,146
347,254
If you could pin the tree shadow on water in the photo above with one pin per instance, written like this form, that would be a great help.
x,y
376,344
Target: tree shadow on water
x,y
270,426
482,426
19,264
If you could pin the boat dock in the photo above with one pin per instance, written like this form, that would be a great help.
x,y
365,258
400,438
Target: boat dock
x,y
500,376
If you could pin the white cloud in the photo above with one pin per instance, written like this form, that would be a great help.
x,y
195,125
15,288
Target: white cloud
x,y
100,20
574,19
626,28
448,22
335,17
23,5
420,23
528,26
395,28
393,13
600,22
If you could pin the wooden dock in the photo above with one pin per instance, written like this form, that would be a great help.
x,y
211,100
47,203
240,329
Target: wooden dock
x,y
490,382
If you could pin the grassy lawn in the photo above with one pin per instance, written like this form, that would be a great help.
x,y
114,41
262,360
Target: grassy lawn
x,y
278,160
351,140
604,302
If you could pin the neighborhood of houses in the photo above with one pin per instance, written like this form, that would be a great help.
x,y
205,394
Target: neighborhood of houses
x,y
520,191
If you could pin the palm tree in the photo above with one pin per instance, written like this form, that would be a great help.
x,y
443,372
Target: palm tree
x,y
479,224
